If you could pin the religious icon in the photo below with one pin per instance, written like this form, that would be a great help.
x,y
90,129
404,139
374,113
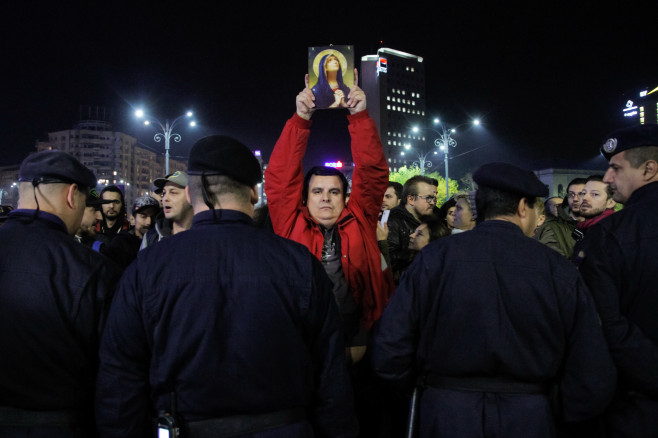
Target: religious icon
x,y
331,75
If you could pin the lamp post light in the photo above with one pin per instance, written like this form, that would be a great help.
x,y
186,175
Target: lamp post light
x,y
444,142
423,160
167,131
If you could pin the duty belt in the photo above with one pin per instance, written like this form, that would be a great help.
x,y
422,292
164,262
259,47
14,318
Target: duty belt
x,y
245,424
484,384
22,417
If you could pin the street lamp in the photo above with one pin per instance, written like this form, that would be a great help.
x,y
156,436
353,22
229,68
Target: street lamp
x,y
444,142
423,160
166,133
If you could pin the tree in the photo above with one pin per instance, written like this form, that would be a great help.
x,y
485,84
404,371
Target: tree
x,y
404,173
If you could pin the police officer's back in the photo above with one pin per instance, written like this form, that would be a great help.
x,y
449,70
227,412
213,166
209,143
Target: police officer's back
x,y
232,329
54,294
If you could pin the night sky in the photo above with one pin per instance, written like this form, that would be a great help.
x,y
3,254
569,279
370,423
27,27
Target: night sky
x,y
548,82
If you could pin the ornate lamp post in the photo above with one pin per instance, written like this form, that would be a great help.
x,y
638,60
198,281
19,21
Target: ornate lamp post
x,y
167,131
444,142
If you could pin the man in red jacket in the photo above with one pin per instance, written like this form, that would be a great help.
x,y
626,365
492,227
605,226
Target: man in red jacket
x,y
312,210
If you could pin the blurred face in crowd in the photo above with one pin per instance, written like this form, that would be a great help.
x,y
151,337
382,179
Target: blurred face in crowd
x,y
111,211
623,178
463,215
450,217
423,202
390,199
325,200
144,220
419,238
174,202
594,199
573,198
553,204
88,224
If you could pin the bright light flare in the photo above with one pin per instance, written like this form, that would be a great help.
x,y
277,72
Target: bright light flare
x,y
139,113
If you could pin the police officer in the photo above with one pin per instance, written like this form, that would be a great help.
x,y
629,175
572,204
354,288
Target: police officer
x,y
493,321
621,270
226,328
54,294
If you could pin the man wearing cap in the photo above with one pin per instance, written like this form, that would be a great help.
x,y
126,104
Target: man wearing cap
x,y
311,209
229,329
620,266
177,211
54,294
490,320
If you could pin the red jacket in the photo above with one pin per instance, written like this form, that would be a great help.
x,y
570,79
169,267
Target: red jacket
x,y
366,271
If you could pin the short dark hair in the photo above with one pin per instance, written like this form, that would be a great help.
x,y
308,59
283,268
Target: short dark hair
x,y
640,155
116,189
411,186
397,187
492,202
576,181
217,185
599,178
323,171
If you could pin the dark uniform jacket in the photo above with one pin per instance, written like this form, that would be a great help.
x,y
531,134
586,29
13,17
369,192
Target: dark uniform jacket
x,y
492,303
621,269
54,295
233,320
401,224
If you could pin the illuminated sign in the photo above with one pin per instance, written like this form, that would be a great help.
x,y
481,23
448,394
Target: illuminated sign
x,y
630,110
382,65
643,93
336,164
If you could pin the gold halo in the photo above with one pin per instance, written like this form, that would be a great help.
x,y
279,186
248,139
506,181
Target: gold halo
x,y
336,53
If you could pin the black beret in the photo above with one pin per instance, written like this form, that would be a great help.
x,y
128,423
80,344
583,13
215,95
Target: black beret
x,y
509,178
55,167
629,138
222,155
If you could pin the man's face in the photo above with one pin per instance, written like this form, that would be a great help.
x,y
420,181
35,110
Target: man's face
x,y
144,221
463,215
325,200
88,224
424,201
594,199
623,178
553,205
532,219
111,211
390,199
573,197
174,203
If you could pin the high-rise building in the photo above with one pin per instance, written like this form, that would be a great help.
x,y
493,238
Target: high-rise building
x,y
644,108
116,158
394,83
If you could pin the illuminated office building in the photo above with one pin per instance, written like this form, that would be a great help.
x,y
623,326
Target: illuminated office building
x,y
394,83
644,108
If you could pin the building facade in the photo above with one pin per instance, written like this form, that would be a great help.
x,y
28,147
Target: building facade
x,y
394,83
115,157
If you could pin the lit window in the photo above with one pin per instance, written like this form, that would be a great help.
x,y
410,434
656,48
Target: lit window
x,y
388,107
412,69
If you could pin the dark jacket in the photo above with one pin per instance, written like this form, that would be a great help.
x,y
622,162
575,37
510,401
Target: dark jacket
x,y
54,295
401,224
621,269
234,320
493,303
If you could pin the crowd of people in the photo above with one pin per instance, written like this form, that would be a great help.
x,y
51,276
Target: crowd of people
x,y
336,311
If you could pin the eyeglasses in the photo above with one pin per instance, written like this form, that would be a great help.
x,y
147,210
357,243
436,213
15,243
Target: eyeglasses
x,y
429,199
